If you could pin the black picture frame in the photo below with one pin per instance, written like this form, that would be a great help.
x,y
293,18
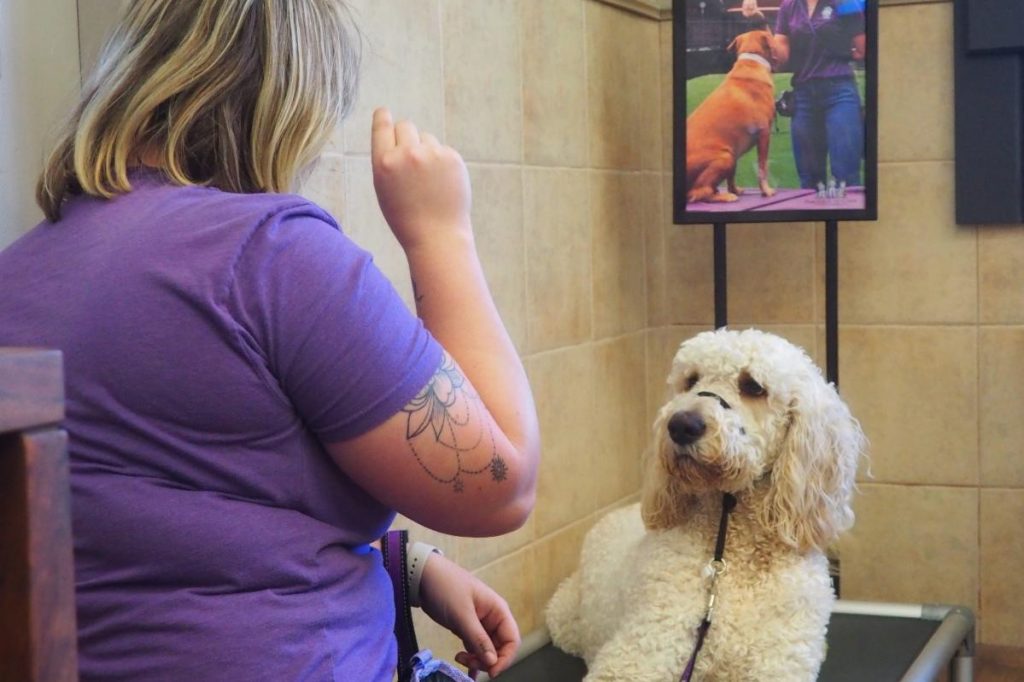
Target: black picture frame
x,y
797,206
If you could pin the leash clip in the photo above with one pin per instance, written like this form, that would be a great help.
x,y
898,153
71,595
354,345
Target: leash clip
x,y
709,614
716,568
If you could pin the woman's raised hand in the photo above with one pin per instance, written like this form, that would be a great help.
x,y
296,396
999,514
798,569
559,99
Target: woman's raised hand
x,y
422,185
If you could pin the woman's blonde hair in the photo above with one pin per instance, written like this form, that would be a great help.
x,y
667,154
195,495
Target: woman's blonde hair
x,y
240,95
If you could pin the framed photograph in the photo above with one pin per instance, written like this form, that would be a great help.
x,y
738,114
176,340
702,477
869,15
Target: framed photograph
x,y
775,110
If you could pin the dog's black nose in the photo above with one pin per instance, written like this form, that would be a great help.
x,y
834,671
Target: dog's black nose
x,y
685,428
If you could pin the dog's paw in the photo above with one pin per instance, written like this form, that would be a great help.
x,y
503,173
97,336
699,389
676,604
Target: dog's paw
x,y
767,192
725,197
702,194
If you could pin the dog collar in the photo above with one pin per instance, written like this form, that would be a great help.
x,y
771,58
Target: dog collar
x,y
750,56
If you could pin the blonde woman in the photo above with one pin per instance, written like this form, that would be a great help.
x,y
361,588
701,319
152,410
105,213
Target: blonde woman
x,y
249,401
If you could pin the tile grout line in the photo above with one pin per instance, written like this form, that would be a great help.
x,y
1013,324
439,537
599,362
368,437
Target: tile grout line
x,y
78,37
522,191
614,170
444,75
589,161
977,412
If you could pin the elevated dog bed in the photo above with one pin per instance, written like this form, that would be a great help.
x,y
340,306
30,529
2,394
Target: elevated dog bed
x,y
866,641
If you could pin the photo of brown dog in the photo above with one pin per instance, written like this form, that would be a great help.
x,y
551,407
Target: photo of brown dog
x,y
774,111
736,115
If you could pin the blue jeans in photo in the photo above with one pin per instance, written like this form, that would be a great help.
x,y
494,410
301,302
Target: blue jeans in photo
x,y
827,128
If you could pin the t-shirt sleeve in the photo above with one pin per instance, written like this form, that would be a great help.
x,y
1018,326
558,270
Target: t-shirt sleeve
x,y
851,14
326,327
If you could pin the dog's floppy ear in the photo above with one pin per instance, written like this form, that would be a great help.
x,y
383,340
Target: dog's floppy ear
x,y
812,479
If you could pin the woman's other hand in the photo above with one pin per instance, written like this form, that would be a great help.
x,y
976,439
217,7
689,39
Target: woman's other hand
x,y
860,47
476,614
422,185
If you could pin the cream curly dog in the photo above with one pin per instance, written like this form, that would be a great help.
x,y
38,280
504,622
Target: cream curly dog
x,y
750,414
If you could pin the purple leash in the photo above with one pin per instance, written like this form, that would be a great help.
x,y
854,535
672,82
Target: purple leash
x,y
393,549
702,631
717,566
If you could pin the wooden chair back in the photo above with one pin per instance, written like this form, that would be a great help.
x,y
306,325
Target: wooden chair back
x,y
37,589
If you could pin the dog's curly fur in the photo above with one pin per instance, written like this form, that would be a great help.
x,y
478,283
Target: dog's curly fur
x,y
779,438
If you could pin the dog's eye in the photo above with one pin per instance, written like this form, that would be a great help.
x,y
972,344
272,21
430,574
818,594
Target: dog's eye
x,y
749,387
691,381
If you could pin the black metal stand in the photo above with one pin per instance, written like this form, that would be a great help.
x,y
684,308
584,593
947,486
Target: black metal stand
x,y
832,302
721,278
831,293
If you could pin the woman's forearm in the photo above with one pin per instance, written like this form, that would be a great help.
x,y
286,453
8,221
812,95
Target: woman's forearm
x,y
454,301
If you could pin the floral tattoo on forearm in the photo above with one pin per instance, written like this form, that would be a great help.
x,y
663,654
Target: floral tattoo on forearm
x,y
449,414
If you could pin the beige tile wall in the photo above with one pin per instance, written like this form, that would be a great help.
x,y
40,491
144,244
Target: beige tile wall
x,y
563,110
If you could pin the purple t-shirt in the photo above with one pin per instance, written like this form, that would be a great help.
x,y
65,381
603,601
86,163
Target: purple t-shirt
x,y
820,45
212,342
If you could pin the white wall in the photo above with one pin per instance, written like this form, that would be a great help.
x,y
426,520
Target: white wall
x,y
39,81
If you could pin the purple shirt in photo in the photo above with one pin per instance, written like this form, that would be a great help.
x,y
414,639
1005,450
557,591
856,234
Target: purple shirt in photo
x,y
212,342
820,45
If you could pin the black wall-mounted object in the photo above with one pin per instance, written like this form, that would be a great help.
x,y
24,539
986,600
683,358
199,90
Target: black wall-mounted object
x,y
989,105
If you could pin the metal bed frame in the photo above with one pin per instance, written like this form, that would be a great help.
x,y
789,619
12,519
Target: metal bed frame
x,y
881,642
